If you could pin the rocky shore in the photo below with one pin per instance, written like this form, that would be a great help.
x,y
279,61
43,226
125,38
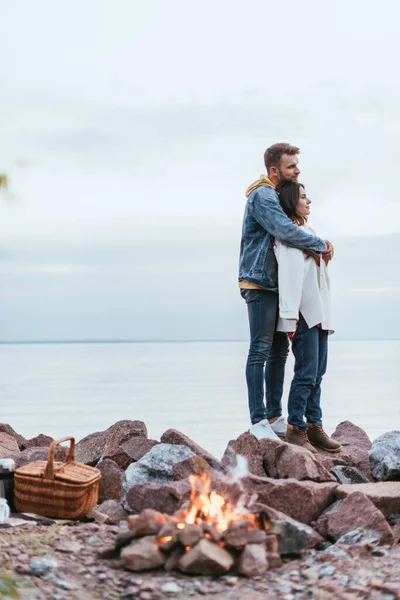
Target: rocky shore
x,y
336,517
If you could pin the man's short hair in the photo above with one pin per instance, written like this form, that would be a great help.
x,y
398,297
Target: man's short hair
x,y
273,154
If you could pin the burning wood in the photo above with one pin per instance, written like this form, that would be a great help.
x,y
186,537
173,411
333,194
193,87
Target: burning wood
x,y
210,535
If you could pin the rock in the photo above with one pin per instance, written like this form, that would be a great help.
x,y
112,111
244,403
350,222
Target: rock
x,y
348,475
301,500
167,497
21,441
156,466
385,494
8,445
142,554
332,459
353,512
39,441
68,547
130,451
167,537
113,510
111,480
148,522
42,566
279,523
253,561
190,535
237,534
356,443
294,537
384,457
91,448
284,461
248,446
191,466
206,558
171,588
360,536
39,454
173,436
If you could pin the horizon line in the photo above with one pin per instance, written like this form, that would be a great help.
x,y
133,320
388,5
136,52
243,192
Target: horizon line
x,y
163,341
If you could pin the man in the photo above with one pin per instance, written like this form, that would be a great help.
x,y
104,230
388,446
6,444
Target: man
x,y
264,220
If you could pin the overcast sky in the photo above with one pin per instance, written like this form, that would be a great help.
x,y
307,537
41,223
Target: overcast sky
x,y
130,131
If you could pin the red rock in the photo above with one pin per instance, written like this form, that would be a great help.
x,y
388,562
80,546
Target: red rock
x,y
284,461
191,466
35,454
237,534
164,497
253,561
354,511
190,535
149,522
301,500
91,448
356,443
111,480
21,441
330,459
8,445
384,494
113,510
142,554
206,558
396,533
173,436
248,446
39,441
130,451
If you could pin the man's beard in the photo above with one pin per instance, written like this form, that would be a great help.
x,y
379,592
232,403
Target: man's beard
x,y
282,178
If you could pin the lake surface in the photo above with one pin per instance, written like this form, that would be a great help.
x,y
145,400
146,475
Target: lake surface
x,y
196,387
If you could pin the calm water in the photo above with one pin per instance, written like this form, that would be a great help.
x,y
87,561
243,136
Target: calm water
x,y
198,388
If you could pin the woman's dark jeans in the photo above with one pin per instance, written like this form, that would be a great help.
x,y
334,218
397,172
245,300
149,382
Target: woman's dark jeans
x,y
310,349
267,348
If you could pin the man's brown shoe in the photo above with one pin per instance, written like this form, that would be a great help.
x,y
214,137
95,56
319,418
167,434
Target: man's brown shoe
x,y
297,436
318,437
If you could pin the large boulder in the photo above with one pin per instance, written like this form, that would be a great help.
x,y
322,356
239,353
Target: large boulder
x,y
91,448
354,511
8,445
356,443
284,461
21,441
35,454
166,497
173,436
384,457
112,475
301,500
157,465
385,494
248,446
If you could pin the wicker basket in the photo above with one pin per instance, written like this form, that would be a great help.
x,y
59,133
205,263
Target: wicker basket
x,y
54,489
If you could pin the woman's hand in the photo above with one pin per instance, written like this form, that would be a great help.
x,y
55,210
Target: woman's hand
x,y
329,253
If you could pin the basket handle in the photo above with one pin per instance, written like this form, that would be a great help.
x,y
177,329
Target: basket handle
x,y
49,470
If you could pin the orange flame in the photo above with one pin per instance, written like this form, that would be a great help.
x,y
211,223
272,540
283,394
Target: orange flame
x,y
211,507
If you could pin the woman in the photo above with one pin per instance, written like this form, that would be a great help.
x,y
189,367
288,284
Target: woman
x,y
304,313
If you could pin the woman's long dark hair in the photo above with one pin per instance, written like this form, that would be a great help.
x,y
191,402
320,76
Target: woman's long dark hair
x,y
289,195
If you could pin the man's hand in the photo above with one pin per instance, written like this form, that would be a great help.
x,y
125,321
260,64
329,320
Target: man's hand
x,y
328,254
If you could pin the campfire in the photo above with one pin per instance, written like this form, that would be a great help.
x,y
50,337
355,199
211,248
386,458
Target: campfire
x,y
211,535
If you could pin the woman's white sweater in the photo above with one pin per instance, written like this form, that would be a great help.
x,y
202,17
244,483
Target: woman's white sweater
x,y
304,288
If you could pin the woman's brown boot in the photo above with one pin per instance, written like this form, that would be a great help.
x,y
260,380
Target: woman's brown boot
x,y
298,437
318,437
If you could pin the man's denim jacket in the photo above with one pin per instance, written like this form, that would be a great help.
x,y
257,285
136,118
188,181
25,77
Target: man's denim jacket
x,y
263,221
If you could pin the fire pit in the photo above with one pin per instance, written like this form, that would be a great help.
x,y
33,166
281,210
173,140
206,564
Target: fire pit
x,y
209,536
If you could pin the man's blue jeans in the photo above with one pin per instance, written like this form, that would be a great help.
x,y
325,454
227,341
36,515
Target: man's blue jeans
x,y
269,349
310,349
